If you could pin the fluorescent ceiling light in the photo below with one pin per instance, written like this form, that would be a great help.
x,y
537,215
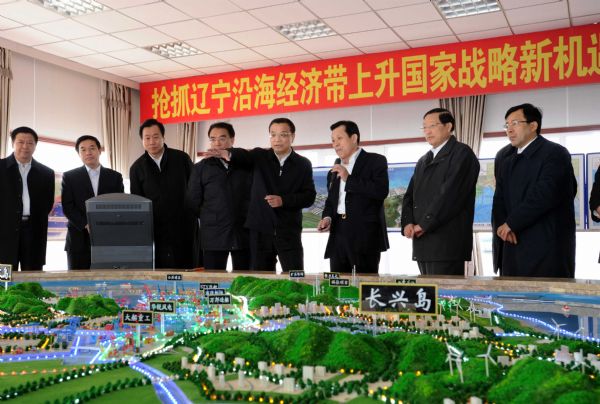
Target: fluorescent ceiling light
x,y
173,50
305,30
72,7
462,8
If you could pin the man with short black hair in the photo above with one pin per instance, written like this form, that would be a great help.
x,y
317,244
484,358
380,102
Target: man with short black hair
x,y
27,199
282,186
219,193
357,186
533,215
161,174
439,204
79,185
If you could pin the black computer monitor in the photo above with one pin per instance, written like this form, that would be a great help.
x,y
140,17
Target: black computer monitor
x,y
121,231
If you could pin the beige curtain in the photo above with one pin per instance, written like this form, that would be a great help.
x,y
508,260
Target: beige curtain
x,y
5,80
116,123
468,113
186,138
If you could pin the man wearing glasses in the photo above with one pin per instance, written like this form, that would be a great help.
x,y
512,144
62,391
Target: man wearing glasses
x,y
439,204
533,216
282,186
219,194
27,189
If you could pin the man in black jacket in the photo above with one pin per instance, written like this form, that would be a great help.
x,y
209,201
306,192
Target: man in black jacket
x,y
439,204
27,189
161,175
533,215
358,185
219,194
79,185
282,185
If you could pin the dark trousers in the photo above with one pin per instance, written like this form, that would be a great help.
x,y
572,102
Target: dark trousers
x,y
344,257
79,260
264,254
26,248
442,267
218,259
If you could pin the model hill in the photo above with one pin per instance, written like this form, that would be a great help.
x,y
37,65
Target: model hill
x,y
309,343
90,306
416,363
267,292
25,298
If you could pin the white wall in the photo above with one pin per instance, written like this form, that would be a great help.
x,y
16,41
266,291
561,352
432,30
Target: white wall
x,y
56,102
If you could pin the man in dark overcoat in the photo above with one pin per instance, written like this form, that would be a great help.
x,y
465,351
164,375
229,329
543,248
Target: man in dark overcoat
x,y
27,189
161,174
533,215
357,187
220,194
439,204
79,185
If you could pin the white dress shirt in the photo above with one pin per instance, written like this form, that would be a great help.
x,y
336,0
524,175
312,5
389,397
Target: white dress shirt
x,y
341,207
436,150
158,159
522,149
94,174
282,160
24,170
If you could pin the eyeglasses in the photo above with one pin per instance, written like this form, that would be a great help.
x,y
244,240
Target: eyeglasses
x,y
282,134
512,124
430,127
217,139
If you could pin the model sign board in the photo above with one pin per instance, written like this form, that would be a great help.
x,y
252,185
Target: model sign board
x,y
159,306
137,317
398,298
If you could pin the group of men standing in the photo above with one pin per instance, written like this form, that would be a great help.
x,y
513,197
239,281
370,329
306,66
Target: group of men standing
x,y
533,216
249,202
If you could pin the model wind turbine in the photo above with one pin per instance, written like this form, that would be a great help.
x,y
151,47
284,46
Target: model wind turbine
x,y
455,355
456,303
487,358
557,328
471,311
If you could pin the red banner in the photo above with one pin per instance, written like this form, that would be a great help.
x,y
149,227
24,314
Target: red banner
x,y
542,59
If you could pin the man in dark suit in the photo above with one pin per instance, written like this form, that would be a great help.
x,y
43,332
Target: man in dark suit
x,y
533,217
161,175
282,185
595,199
27,189
358,184
439,204
79,185
220,194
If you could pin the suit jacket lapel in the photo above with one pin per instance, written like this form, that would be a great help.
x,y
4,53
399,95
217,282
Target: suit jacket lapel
x,y
445,151
84,177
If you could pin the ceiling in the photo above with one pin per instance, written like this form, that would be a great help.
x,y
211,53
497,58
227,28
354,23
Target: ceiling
x,y
239,34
